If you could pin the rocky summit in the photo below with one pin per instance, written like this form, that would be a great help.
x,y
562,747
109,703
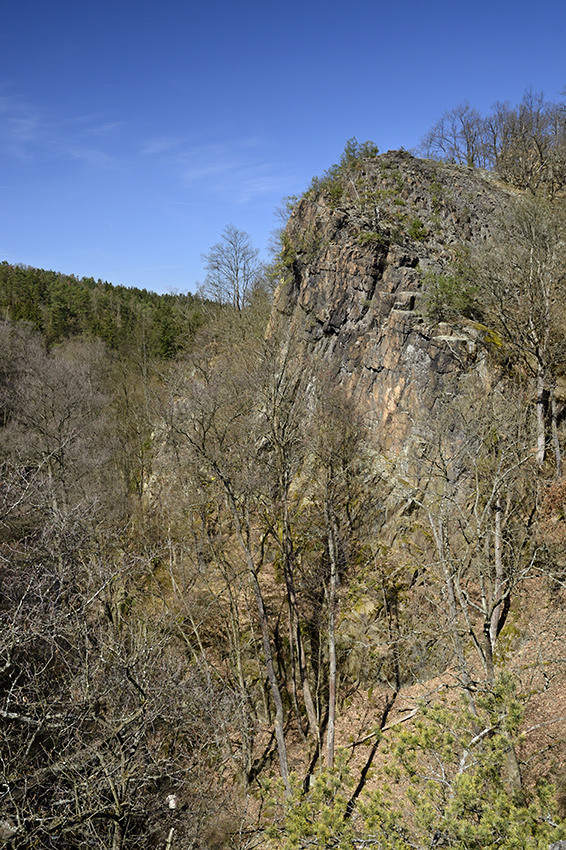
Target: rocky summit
x,y
357,263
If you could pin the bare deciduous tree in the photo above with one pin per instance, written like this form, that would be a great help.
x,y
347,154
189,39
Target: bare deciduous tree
x,y
458,136
479,506
523,286
525,144
213,425
232,269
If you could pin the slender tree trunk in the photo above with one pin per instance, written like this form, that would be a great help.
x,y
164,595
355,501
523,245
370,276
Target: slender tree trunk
x,y
541,431
266,641
294,666
235,639
438,533
275,691
513,769
498,587
117,837
295,625
555,440
332,668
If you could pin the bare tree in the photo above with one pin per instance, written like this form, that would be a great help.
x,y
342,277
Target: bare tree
x,y
284,396
212,423
232,269
335,436
530,151
102,716
523,285
525,144
102,712
479,506
458,136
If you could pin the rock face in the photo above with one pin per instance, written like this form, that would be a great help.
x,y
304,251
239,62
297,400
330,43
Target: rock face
x,y
353,293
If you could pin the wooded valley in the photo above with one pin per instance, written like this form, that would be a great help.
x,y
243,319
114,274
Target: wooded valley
x,y
289,572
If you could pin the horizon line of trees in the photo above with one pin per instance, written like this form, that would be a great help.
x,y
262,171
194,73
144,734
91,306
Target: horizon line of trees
x,y
61,306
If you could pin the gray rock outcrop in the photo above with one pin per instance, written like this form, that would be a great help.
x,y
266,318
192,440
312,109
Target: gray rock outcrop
x,y
352,297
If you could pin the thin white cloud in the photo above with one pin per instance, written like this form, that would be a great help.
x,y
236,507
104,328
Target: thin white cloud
x,y
239,168
159,145
249,182
217,167
19,125
89,156
27,133
235,169
157,268
22,129
104,130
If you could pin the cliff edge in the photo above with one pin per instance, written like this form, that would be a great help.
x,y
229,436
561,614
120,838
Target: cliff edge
x,y
359,254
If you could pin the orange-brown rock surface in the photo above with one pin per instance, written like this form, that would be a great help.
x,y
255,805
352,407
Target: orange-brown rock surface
x,y
352,296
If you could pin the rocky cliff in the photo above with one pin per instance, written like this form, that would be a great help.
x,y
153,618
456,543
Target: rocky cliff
x,y
358,257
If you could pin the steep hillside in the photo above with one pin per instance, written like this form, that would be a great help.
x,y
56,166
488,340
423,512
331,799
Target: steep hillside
x,y
433,294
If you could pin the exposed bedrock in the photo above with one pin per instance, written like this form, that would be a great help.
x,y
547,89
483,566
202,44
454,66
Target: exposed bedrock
x,y
353,293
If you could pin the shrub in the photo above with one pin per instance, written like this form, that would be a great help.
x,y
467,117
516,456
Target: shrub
x,y
353,156
417,230
450,773
449,296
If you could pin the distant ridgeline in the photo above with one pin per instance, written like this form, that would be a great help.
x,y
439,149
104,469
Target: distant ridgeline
x,y
62,306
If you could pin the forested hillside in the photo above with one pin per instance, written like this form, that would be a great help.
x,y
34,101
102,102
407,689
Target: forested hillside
x,y
62,306
296,578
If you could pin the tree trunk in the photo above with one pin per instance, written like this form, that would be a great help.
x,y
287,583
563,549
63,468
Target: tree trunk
x,y
555,440
499,579
275,691
541,431
268,655
438,533
332,669
295,626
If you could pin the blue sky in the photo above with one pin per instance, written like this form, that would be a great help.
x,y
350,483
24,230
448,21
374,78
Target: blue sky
x,y
132,132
